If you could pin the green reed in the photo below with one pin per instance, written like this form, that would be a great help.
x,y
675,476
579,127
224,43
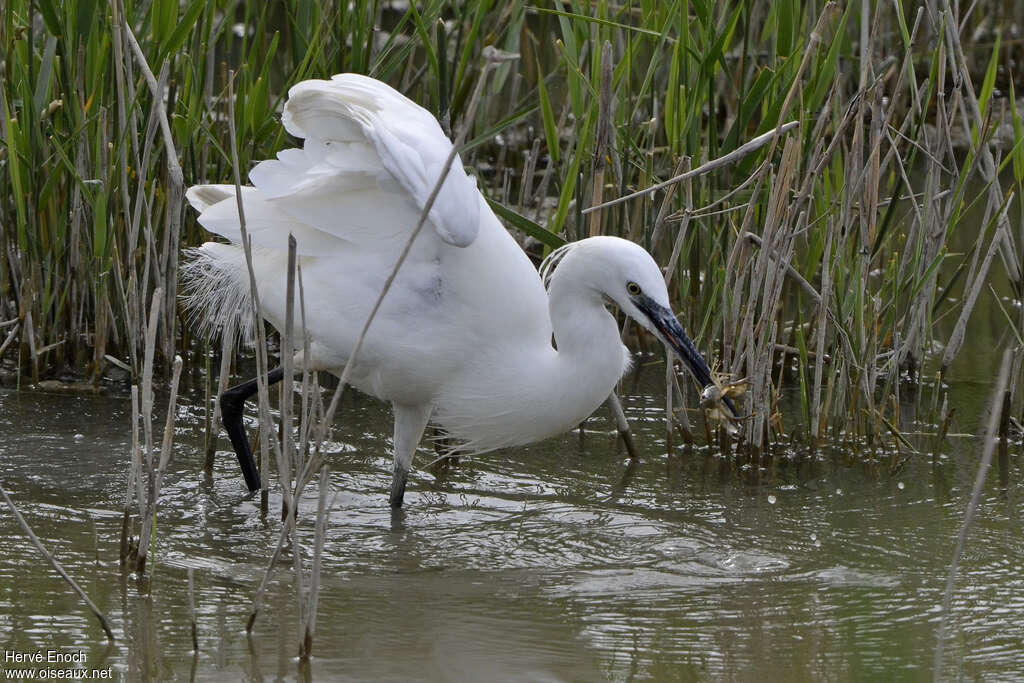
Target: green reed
x,y
819,266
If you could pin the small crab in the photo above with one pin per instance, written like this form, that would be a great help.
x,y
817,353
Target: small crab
x,y
716,399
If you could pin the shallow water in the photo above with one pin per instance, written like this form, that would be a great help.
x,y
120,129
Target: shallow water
x,y
558,562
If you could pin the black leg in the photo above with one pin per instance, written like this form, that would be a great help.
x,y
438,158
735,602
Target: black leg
x,y
398,481
232,403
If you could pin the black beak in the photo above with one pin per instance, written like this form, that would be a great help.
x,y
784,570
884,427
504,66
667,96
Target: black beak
x,y
672,333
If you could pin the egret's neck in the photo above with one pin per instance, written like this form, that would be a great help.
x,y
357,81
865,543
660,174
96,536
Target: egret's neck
x,y
525,391
591,357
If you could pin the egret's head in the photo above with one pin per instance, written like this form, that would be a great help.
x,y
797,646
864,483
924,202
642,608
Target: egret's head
x,y
627,275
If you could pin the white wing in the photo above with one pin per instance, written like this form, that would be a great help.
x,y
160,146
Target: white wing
x,y
370,160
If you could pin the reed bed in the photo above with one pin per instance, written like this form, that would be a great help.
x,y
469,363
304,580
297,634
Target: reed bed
x,y
821,265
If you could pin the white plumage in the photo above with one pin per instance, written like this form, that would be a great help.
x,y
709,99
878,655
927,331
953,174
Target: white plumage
x,y
463,337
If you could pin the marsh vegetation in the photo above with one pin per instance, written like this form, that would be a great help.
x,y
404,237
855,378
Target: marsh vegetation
x,y
841,262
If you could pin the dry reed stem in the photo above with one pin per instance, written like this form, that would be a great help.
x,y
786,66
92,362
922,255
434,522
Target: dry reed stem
x,y
57,566
288,527
287,364
10,338
133,479
602,135
682,166
118,42
309,626
168,439
526,185
192,610
310,386
30,339
769,267
671,380
146,395
959,334
226,352
790,270
1004,439
724,160
148,508
262,388
175,193
549,169
288,465
991,433
989,168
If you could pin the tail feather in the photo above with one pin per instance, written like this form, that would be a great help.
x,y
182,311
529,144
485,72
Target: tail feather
x,y
215,291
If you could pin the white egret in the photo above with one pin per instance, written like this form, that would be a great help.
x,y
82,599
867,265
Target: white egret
x,y
463,338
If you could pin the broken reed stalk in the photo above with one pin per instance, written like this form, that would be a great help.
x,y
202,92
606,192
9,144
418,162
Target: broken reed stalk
x,y
991,434
166,446
309,626
310,385
1004,440
288,459
146,391
147,492
104,622
192,610
10,337
288,462
133,480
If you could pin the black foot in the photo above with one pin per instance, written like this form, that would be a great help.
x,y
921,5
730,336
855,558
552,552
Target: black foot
x,y
232,405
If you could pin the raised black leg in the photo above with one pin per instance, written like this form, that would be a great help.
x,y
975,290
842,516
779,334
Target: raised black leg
x,y
232,403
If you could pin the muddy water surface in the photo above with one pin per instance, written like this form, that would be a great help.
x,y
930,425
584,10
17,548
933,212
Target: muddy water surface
x,y
557,562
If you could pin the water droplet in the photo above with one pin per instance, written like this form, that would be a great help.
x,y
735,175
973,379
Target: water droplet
x,y
901,486
771,499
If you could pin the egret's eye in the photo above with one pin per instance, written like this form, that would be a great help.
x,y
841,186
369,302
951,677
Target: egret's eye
x,y
633,288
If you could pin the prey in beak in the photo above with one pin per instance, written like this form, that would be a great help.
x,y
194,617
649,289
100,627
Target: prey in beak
x,y
663,322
